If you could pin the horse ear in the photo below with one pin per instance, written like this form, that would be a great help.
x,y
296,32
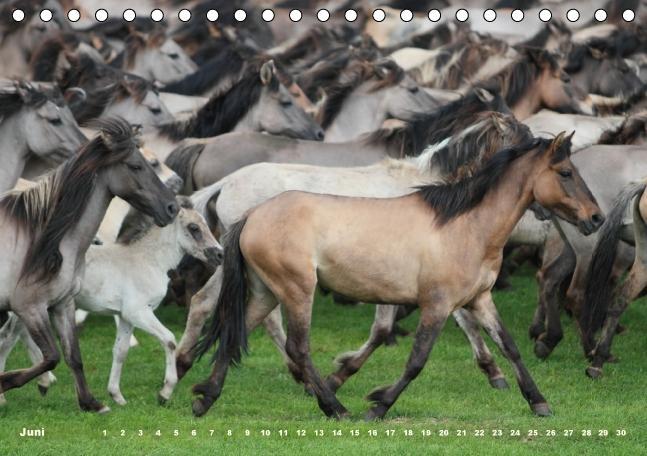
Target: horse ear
x,y
484,95
597,54
107,140
268,70
537,56
560,148
75,95
25,92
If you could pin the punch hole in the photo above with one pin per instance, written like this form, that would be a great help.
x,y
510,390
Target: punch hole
x,y
351,15
379,15
545,15
323,15
240,15
157,15
295,15
212,15
184,15
129,15
572,15
462,15
267,15
46,15
489,15
517,15
628,15
101,15
406,15
600,15
18,15
434,15
73,15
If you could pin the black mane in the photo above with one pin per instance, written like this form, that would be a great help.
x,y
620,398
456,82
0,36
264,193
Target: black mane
x,y
55,205
453,199
223,111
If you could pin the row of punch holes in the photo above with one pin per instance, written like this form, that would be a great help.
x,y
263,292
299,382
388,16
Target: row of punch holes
x,y
379,15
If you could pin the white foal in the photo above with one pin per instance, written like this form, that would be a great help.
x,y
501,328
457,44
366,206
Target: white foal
x,y
130,281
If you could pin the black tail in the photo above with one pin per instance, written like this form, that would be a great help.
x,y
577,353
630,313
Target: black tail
x,y
599,289
181,160
227,324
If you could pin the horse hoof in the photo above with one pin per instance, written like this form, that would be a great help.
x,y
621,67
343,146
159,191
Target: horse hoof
x,y
343,415
161,400
620,329
499,383
375,413
103,410
199,408
541,409
43,390
594,372
542,351
119,399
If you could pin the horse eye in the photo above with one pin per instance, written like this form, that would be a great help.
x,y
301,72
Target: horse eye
x,y
57,121
414,89
134,167
193,228
155,111
566,173
286,103
174,55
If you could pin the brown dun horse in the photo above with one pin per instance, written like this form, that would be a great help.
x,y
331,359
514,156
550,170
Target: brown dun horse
x,y
445,257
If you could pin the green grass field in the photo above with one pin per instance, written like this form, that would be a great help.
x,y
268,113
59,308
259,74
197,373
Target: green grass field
x,y
451,395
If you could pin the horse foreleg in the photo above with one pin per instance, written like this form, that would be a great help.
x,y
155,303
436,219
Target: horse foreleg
x,y
484,310
432,320
119,353
629,291
482,354
63,318
202,305
349,363
9,334
551,278
146,320
36,321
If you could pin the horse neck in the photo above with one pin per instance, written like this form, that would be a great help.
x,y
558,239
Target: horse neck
x,y
529,103
80,237
503,206
13,152
158,247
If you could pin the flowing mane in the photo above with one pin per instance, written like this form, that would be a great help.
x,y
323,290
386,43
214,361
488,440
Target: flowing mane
x,y
515,79
12,101
357,74
224,110
431,128
103,84
631,129
50,209
453,199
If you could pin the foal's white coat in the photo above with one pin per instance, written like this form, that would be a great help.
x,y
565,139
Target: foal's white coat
x,y
130,281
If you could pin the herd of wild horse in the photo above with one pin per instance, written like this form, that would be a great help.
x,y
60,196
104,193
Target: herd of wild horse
x,y
407,164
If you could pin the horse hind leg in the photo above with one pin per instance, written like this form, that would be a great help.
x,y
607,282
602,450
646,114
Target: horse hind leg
x,y
260,304
36,322
482,354
48,378
274,328
432,320
351,362
9,335
485,312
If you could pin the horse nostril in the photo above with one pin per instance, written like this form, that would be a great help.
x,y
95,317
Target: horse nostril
x,y
214,256
172,209
597,219
320,135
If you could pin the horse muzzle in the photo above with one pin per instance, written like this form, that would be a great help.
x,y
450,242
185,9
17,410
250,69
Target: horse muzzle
x,y
214,256
591,225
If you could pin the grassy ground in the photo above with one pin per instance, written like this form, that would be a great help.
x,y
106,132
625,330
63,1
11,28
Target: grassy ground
x,y
259,398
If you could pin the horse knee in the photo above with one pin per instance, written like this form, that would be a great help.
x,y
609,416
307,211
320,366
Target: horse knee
x,y
51,360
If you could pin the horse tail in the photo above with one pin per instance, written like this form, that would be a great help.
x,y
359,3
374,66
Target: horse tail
x,y
599,289
227,324
182,160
